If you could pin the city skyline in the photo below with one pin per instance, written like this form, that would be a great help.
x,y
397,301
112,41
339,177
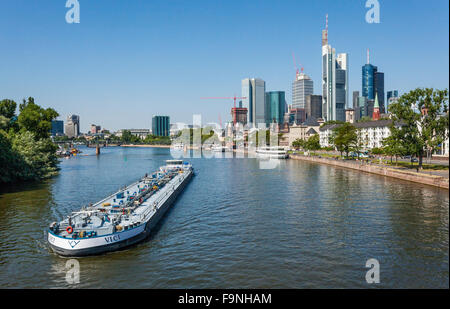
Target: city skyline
x,y
113,64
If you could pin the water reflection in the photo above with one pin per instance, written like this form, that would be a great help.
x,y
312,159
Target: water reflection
x,y
300,225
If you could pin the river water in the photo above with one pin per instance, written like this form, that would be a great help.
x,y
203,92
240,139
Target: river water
x,y
300,225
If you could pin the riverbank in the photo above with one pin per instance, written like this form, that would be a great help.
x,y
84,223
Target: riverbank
x,y
432,180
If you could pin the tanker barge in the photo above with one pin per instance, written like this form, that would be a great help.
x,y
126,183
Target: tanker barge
x,y
123,218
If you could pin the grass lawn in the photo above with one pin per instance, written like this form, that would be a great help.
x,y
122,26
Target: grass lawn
x,y
414,165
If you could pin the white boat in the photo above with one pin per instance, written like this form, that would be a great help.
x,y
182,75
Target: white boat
x,y
123,218
274,152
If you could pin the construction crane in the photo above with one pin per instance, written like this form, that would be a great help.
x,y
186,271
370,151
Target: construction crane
x,y
296,67
227,98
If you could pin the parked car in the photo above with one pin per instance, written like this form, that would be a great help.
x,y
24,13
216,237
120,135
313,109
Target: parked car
x,y
414,160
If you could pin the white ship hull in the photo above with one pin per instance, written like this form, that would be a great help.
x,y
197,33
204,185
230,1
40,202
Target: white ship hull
x,y
118,240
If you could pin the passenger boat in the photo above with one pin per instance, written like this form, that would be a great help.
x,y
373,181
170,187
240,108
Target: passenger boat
x,y
123,218
275,152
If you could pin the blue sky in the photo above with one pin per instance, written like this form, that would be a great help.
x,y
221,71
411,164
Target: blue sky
x,y
130,59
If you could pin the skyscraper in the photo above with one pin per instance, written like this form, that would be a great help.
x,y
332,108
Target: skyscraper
x,y
161,125
334,81
392,96
95,129
72,127
379,90
57,127
373,83
313,108
355,99
302,86
254,90
275,107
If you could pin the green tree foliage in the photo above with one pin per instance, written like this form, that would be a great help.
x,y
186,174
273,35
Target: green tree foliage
x,y
313,142
345,138
377,151
127,137
157,140
298,143
26,152
36,119
8,115
393,147
332,122
365,119
423,114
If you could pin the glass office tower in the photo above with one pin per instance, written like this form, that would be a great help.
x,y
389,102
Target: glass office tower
x,y
161,125
254,90
275,107
373,83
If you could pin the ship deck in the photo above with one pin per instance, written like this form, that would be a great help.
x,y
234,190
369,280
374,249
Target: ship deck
x,y
125,209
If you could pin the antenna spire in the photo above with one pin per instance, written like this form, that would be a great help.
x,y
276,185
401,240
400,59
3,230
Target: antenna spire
x,y
325,33
368,56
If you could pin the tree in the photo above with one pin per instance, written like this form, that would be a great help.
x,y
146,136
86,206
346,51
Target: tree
x,y
36,119
365,119
377,151
26,151
8,108
332,122
423,114
344,138
313,142
393,147
127,137
8,116
298,143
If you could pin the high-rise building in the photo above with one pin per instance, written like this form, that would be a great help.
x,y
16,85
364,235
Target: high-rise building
x,y
297,116
95,129
72,127
254,90
57,127
313,108
373,83
302,86
355,99
275,107
161,125
392,96
334,81
239,114
379,90
363,107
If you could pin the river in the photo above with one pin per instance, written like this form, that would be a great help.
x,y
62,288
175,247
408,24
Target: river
x,y
299,225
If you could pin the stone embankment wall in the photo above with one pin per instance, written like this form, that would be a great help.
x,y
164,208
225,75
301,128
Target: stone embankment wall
x,y
432,180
